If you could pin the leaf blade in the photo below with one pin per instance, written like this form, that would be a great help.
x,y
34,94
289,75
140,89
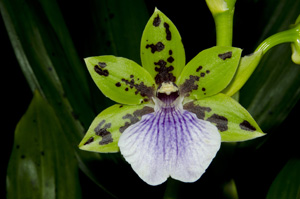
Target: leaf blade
x,y
287,183
35,169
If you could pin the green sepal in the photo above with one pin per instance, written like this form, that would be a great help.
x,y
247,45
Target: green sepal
x,y
246,67
209,72
232,120
104,133
121,79
162,51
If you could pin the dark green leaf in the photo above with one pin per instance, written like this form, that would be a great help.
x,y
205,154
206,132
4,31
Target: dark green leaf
x,y
43,163
50,64
116,28
287,183
47,56
274,88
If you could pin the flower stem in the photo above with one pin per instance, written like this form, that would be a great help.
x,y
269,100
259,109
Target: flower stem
x,y
224,26
287,36
222,11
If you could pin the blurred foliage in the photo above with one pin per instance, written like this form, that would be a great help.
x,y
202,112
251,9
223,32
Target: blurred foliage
x,y
287,182
50,40
41,161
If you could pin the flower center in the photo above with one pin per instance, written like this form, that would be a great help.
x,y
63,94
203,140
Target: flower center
x,y
167,92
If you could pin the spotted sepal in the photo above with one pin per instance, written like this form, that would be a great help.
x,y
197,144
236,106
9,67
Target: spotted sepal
x,y
104,132
232,120
209,72
121,79
162,51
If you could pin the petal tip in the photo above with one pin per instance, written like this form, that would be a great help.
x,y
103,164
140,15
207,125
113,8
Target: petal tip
x,y
156,10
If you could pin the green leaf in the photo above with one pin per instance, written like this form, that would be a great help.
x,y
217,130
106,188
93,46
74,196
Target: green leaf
x,y
273,89
162,51
246,67
42,163
116,28
105,131
287,183
46,53
209,72
121,79
232,120
40,46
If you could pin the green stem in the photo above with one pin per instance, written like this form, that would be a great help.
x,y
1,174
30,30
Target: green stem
x,y
222,11
288,36
224,26
172,189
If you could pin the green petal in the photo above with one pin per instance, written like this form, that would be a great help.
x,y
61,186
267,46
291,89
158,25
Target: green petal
x,y
162,51
244,71
121,79
105,131
209,72
233,121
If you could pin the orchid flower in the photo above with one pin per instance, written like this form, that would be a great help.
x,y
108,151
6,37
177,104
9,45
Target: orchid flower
x,y
171,117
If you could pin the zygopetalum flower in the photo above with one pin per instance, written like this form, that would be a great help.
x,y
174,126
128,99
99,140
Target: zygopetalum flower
x,y
171,118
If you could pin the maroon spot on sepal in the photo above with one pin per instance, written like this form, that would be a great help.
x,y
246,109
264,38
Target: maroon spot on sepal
x,y
100,71
199,68
198,110
170,59
156,21
90,140
102,64
226,55
164,73
159,46
104,133
220,121
118,84
135,117
140,88
189,85
168,32
245,125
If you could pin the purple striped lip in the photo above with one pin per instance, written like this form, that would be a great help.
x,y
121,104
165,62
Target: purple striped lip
x,y
171,142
